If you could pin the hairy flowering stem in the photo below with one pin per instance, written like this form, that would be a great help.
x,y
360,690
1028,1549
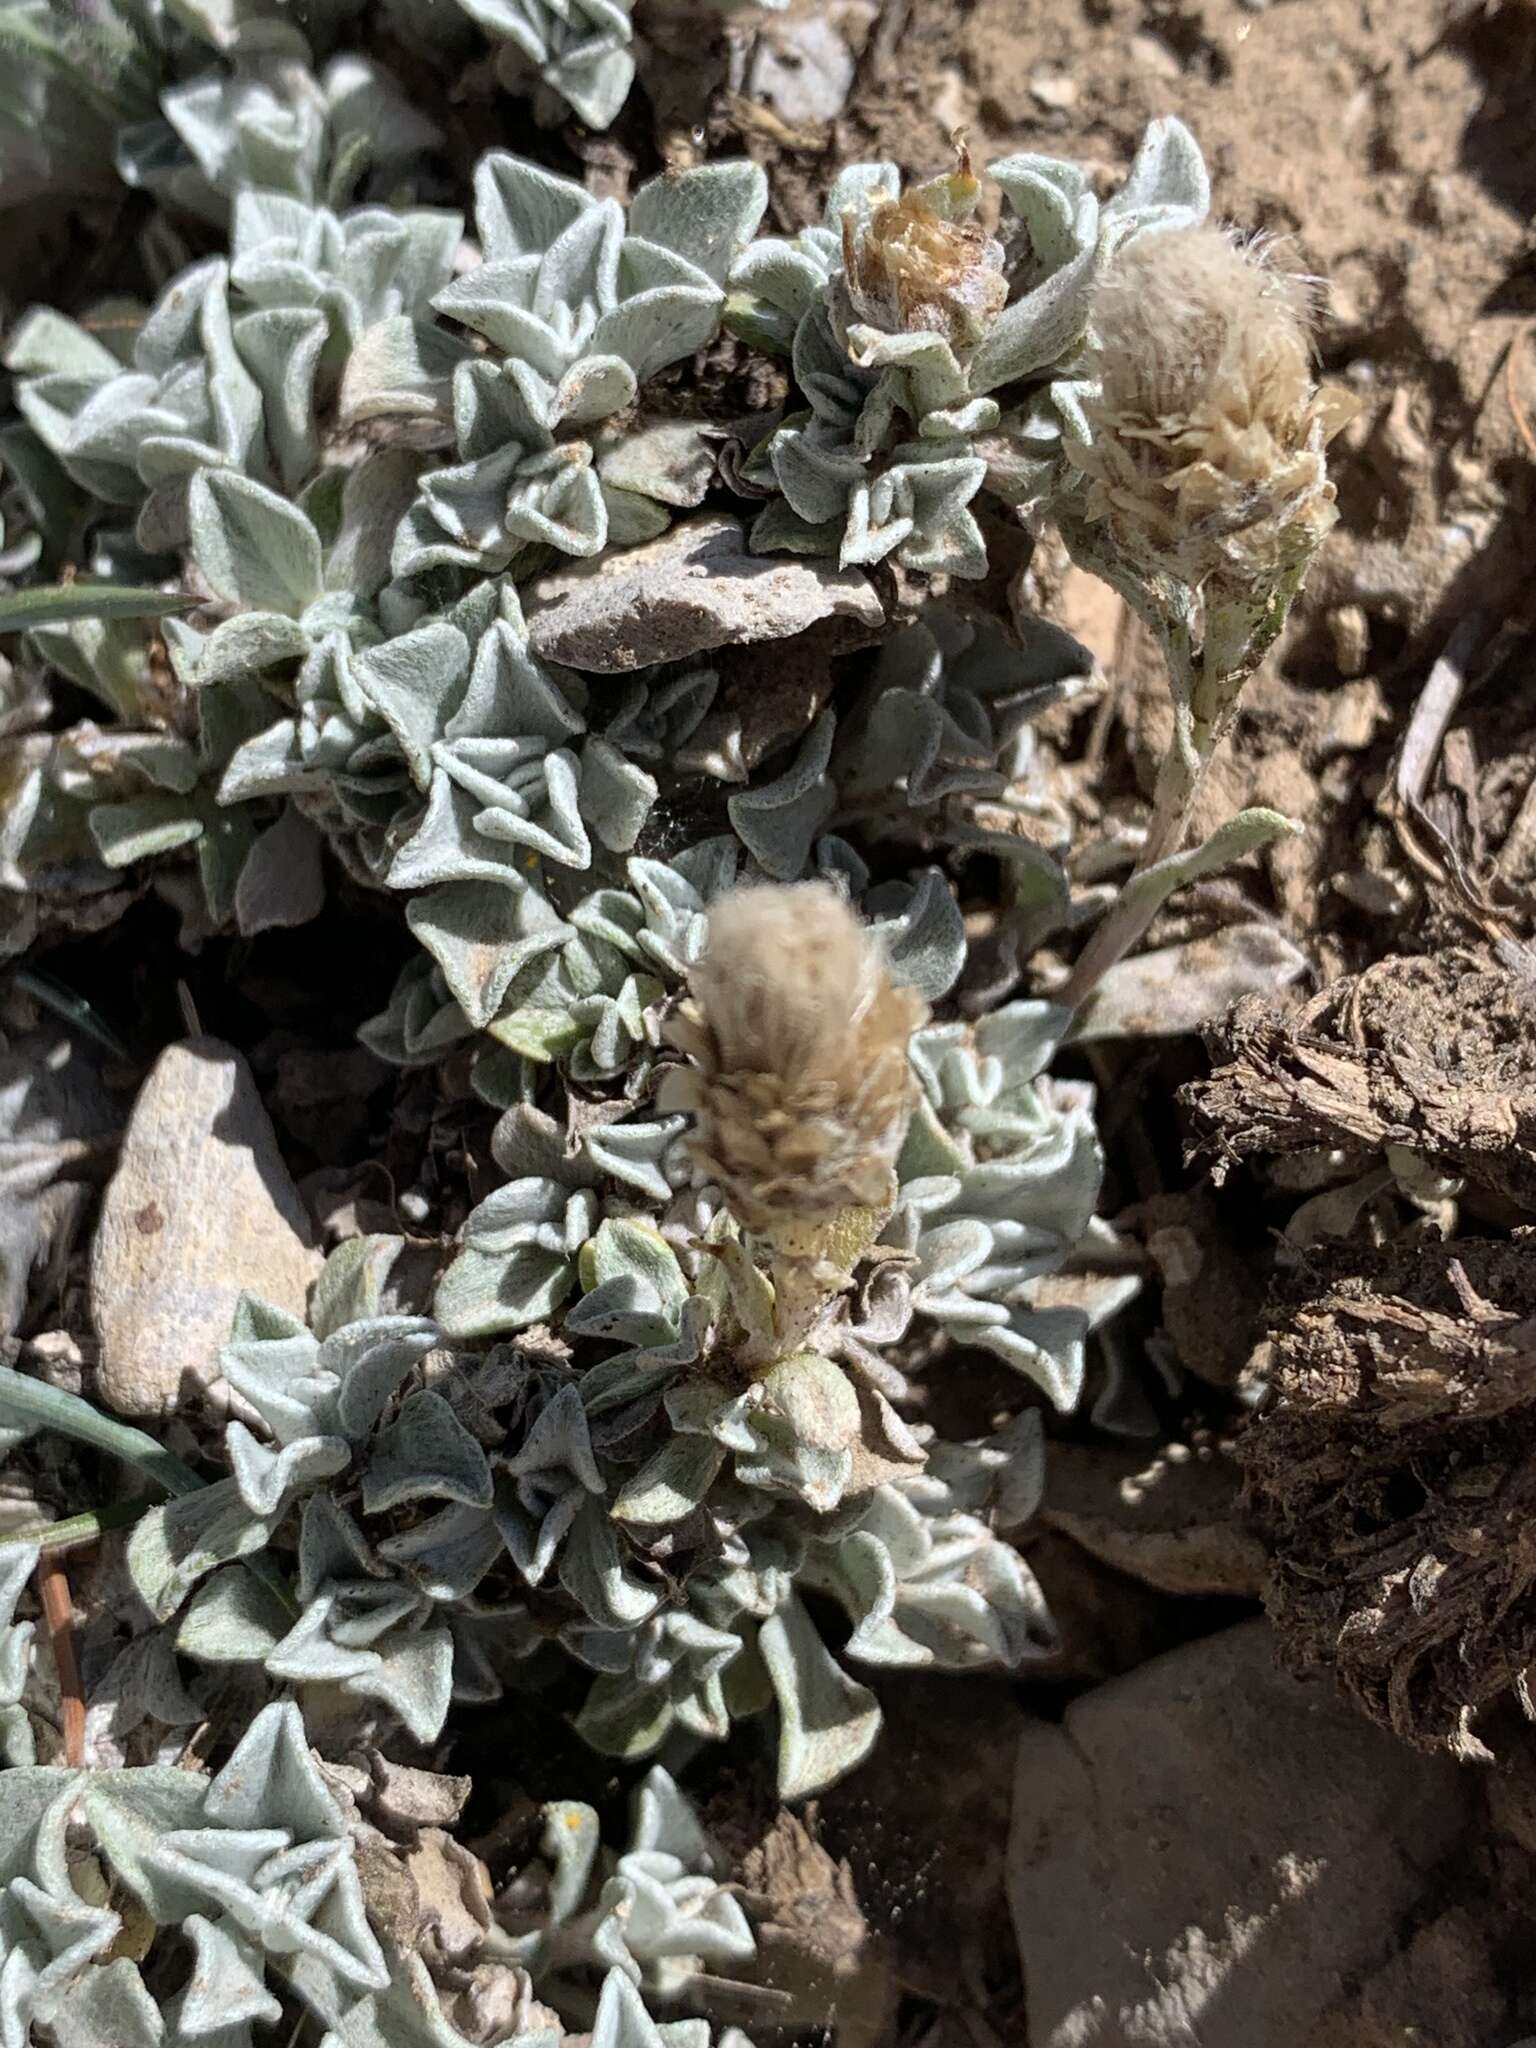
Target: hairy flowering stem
x,y
799,1087
1205,702
1205,497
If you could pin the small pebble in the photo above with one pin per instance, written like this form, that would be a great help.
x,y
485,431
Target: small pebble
x,y
1350,629
698,586
1053,89
1154,55
1379,895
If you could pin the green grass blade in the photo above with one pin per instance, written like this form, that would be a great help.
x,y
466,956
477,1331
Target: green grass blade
x,y
27,1400
33,1401
74,1530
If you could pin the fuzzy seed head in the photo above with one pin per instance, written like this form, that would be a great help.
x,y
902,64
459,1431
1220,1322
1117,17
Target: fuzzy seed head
x,y
798,1081
921,265
1208,431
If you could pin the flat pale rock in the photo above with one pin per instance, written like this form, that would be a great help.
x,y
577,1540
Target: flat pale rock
x,y
1209,1853
1175,989
696,588
200,1210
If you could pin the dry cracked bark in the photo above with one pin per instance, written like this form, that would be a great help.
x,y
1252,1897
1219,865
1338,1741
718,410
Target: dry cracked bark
x,y
1437,1055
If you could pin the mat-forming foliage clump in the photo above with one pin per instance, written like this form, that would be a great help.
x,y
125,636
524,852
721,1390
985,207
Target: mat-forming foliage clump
x,y
761,1157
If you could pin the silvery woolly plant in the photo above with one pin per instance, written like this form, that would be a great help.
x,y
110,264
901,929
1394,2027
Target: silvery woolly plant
x,y
935,752
752,1312
70,83
578,51
935,359
651,1404
16,1741
193,102
216,437
325,323
577,54
254,1867
269,1880
579,304
1126,372
657,1415
268,121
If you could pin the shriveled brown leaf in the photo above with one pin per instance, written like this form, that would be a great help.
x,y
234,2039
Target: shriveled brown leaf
x,y
405,1799
814,1944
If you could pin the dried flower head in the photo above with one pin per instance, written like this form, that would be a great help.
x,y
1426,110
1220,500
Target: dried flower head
x,y
798,1084
1209,430
921,264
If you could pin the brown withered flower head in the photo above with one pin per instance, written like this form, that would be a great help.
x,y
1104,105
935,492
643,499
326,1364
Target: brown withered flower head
x,y
1207,457
798,1081
921,264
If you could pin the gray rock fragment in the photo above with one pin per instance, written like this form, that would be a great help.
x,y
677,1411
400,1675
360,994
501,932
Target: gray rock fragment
x,y
696,588
1178,988
200,1210
1209,1851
